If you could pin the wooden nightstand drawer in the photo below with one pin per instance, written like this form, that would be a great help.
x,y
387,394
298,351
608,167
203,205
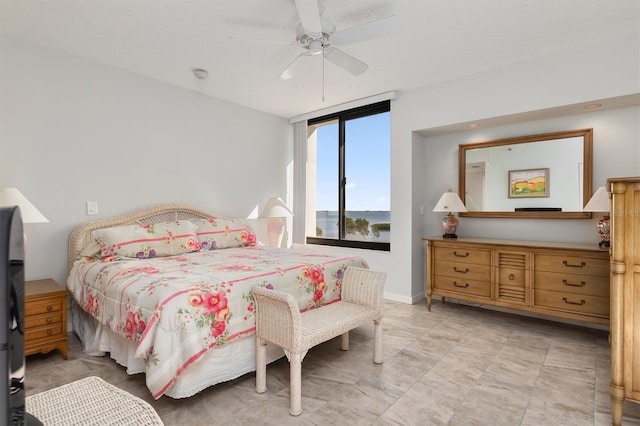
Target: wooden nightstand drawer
x,y
47,332
43,307
45,319
33,321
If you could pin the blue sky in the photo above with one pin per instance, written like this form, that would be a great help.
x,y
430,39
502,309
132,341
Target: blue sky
x,y
367,164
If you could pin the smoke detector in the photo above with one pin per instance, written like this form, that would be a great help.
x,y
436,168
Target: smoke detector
x,y
201,74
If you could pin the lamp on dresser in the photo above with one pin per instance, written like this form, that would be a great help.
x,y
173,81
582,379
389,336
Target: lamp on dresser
x,y
450,203
601,202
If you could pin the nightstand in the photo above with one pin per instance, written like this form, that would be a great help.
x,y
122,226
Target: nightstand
x,y
45,317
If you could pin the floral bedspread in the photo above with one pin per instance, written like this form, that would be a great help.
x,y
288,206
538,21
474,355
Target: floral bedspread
x,y
177,308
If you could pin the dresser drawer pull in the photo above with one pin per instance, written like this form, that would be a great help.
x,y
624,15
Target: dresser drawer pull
x,y
49,308
580,284
455,284
49,332
581,265
49,320
455,269
456,254
582,302
512,277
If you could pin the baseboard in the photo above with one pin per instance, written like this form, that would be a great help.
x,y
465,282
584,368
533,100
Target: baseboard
x,y
404,299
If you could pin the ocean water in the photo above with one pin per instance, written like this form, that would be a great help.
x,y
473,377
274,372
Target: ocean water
x,y
327,220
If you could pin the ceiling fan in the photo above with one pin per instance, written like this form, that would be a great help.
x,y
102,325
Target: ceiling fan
x,y
318,36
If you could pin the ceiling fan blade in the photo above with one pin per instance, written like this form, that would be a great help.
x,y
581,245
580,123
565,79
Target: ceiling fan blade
x,y
309,14
249,38
345,61
382,27
288,72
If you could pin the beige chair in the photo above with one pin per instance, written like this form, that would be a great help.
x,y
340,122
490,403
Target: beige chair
x,y
279,321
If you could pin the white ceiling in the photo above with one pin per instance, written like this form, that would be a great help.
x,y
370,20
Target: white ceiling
x,y
440,40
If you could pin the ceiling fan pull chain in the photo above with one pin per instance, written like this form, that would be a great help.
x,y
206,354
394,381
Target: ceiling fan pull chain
x,y
323,75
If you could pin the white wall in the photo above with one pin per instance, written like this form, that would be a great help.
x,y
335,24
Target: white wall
x,y
599,71
72,130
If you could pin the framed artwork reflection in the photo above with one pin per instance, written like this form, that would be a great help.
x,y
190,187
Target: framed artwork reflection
x,y
529,183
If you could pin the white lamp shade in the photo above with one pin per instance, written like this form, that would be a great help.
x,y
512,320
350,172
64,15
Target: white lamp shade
x,y
449,202
275,207
12,197
600,202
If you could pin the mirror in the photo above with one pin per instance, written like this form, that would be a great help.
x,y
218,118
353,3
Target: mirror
x,y
546,176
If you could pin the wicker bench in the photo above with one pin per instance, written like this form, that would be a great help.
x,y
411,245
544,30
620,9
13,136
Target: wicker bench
x,y
279,321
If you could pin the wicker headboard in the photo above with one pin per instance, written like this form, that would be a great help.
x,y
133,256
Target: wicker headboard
x,y
81,235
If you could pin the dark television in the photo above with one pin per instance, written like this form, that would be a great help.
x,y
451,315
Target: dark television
x,y
12,363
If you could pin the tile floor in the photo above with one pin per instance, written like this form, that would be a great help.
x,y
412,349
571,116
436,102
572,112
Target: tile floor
x,y
456,365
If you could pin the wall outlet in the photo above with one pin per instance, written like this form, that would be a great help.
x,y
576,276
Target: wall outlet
x,y
92,208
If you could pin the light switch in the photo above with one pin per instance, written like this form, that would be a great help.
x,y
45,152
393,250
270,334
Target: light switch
x,y
92,207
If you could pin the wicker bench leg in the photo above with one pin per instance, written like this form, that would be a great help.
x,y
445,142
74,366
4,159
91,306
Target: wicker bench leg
x,y
377,341
261,365
295,384
344,342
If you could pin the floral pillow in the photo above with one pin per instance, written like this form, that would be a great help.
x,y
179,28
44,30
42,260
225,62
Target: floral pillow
x,y
146,241
217,233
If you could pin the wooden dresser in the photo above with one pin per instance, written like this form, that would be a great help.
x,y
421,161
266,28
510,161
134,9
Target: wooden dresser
x,y
45,317
625,293
563,280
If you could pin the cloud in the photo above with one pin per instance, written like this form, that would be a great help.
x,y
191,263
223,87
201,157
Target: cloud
x,y
350,185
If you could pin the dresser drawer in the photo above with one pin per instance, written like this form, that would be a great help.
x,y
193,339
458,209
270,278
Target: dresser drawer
x,y
512,276
462,255
463,285
571,264
43,307
47,332
570,302
572,283
466,271
33,321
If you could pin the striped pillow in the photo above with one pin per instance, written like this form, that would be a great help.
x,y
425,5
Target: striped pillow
x,y
217,233
147,241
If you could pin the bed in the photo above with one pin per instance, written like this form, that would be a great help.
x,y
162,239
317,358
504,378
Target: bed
x,y
166,291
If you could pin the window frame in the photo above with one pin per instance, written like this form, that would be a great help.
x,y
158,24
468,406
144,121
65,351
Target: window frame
x,y
343,117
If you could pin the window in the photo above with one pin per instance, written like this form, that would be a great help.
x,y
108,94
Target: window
x,y
348,178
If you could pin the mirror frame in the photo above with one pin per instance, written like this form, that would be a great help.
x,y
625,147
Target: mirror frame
x,y
587,178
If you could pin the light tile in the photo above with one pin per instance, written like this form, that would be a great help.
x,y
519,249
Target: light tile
x,y
455,365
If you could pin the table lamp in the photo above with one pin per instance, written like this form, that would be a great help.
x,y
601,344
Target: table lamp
x,y
450,203
601,202
276,210
30,214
